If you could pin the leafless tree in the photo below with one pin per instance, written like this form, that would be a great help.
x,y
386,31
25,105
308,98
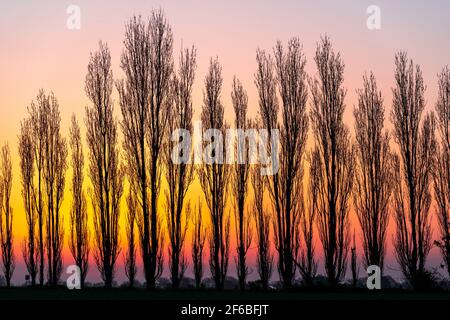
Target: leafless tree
x,y
214,174
262,226
285,186
38,122
55,165
412,169
198,242
79,232
354,263
180,173
307,263
104,169
373,181
336,159
268,119
26,153
130,257
240,176
441,172
144,98
292,83
6,215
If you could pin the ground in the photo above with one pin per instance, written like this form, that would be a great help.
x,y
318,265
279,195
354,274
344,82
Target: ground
x,y
62,293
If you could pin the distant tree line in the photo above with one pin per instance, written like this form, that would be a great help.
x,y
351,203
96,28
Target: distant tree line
x,y
310,196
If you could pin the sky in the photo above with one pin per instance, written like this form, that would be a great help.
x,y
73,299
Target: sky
x,y
37,50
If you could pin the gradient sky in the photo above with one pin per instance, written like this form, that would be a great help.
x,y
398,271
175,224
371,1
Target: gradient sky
x,y
38,51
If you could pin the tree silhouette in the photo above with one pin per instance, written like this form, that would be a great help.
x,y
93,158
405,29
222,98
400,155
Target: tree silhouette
x,y
144,98
441,172
307,263
285,186
29,250
336,159
240,176
156,99
262,227
104,169
412,169
214,174
6,215
354,263
130,257
38,122
55,165
373,183
268,110
291,77
180,175
79,230
198,242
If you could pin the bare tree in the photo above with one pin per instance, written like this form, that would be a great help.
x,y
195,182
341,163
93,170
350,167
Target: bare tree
x,y
130,257
55,165
354,263
144,98
240,176
26,153
441,172
38,122
6,215
268,114
79,232
104,169
373,183
285,186
198,242
214,174
179,174
417,147
336,159
262,226
307,263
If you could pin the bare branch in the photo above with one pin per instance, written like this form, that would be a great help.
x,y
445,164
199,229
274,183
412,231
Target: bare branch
x,y
214,176
412,169
6,215
373,183
336,162
441,172
79,230
104,168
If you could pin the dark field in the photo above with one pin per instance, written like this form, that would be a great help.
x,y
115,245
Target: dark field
x,y
186,294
